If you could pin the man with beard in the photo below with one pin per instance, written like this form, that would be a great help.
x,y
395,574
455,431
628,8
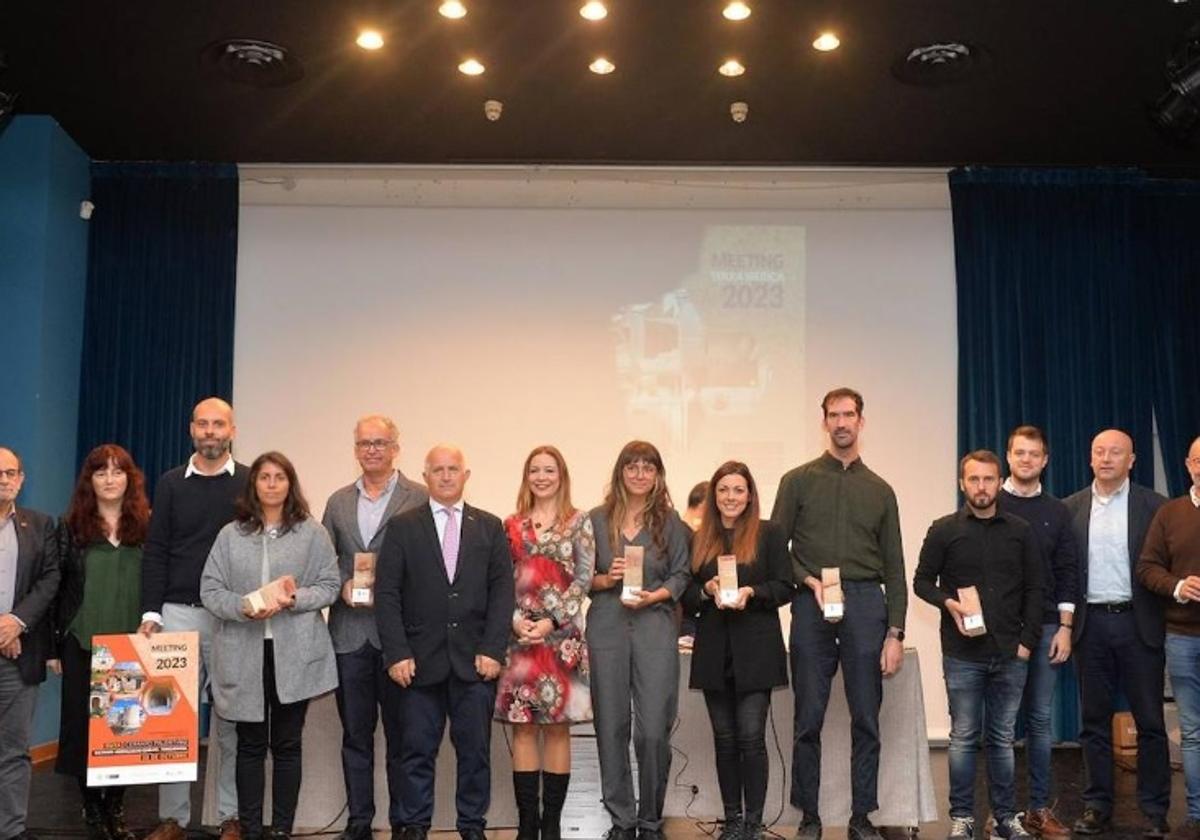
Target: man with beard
x,y
1118,636
838,513
191,504
997,554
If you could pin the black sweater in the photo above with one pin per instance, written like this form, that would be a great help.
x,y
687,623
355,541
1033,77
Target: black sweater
x,y
1051,522
188,513
999,556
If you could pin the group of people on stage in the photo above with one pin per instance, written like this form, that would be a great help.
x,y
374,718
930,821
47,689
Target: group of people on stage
x,y
440,611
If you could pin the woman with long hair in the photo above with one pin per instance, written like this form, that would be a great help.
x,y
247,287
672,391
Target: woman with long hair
x,y
631,636
738,656
544,688
100,543
270,658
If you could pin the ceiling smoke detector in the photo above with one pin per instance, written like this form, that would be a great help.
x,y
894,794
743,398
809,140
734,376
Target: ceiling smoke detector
x,y
253,62
938,64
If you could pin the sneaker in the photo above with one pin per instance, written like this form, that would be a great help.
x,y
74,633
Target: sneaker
x,y
809,829
1009,828
860,828
1189,830
754,831
1156,827
961,828
1093,821
731,829
1041,822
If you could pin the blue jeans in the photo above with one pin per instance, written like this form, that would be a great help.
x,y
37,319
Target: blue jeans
x,y
1039,697
1183,664
983,694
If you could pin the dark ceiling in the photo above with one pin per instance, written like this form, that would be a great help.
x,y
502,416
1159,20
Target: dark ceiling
x,y
1063,82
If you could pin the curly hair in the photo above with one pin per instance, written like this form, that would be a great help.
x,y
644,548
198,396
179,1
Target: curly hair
x,y
83,513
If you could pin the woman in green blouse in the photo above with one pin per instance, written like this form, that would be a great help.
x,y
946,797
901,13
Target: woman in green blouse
x,y
100,543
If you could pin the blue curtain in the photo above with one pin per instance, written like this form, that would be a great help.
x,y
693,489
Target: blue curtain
x,y
158,320
1077,291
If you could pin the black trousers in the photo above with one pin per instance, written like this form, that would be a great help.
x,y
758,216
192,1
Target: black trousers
x,y
280,730
1111,655
739,722
74,717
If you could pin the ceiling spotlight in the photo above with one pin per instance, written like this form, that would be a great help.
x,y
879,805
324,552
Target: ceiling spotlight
x,y
1177,112
736,11
826,42
369,39
492,109
732,67
471,67
593,10
738,111
452,9
602,66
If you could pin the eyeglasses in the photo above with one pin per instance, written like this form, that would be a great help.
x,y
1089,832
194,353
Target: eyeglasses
x,y
11,474
377,443
640,468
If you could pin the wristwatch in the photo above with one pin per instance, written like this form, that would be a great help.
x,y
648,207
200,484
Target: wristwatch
x,y
895,633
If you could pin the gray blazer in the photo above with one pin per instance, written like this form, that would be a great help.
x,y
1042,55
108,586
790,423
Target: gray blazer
x,y
304,660
351,627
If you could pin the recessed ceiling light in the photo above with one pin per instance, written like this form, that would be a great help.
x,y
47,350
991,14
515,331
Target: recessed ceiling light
x,y
369,39
732,67
593,10
736,11
452,9
471,67
602,66
826,41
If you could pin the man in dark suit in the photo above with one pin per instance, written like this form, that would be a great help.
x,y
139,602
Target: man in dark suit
x,y
355,517
444,603
28,583
1118,635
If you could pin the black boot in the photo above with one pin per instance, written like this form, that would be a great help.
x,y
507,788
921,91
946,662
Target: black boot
x,y
93,814
554,794
114,813
525,786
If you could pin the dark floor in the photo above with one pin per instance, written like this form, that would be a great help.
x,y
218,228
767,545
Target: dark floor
x,y
54,803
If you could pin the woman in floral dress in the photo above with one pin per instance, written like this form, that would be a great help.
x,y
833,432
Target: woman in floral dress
x,y
544,688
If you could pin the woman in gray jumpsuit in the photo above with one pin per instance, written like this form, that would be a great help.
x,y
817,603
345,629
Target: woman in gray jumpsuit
x,y
632,646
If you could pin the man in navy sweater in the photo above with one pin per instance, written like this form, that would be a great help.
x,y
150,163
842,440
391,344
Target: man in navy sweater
x,y
1023,495
191,504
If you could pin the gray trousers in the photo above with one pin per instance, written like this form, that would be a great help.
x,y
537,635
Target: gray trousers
x,y
175,799
635,662
17,702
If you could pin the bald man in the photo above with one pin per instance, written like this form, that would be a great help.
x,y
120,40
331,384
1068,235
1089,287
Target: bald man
x,y
191,504
1118,635
443,608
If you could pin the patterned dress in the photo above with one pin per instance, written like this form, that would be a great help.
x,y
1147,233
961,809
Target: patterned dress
x,y
548,682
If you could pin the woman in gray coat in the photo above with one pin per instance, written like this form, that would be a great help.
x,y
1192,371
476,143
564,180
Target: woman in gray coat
x,y
270,657
632,641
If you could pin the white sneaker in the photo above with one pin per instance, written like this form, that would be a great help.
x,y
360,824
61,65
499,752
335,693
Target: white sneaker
x,y
961,828
1010,828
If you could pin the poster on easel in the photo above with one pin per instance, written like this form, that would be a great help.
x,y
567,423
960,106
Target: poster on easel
x,y
144,709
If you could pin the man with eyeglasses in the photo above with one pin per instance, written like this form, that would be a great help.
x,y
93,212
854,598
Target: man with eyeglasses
x,y
356,517
838,513
192,503
1170,566
28,583
1118,636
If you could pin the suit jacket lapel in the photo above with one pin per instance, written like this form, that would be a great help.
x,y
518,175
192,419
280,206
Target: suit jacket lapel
x,y
1133,528
25,553
431,535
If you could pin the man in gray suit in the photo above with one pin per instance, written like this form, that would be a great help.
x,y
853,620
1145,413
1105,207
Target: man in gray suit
x,y
355,517
1118,636
28,582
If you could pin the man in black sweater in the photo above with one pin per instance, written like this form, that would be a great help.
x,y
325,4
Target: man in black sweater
x,y
1024,496
997,554
191,504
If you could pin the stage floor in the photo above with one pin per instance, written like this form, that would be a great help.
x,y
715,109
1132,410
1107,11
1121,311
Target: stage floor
x,y
54,801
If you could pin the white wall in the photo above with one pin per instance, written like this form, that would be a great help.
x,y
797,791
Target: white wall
x,y
481,312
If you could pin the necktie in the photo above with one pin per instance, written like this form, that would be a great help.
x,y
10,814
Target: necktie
x,y
450,544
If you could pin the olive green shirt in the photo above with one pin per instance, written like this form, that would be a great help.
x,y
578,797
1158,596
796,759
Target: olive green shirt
x,y
848,518
112,592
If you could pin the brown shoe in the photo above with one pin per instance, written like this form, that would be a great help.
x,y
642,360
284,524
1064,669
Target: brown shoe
x,y
231,829
167,830
1190,830
1041,822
